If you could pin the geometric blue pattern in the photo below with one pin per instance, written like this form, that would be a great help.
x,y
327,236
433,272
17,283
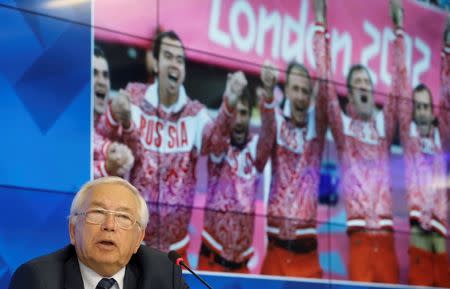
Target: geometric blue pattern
x,y
33,223
61,84
45,77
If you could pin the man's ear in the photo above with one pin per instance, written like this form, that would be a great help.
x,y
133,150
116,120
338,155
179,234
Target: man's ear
x,y
139,240
72,233
155,65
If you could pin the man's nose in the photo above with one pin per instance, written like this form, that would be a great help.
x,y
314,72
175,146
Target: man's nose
x,y
110,223
303,98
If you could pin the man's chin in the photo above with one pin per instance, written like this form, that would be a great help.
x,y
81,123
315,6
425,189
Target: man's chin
x,y
100,109
299,119
173,89
238,140
424,129
365,113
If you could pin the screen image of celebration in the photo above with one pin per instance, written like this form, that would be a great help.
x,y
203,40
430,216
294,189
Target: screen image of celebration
x,y
288,138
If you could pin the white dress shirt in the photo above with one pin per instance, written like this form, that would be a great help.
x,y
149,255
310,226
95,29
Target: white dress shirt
x,y
91,278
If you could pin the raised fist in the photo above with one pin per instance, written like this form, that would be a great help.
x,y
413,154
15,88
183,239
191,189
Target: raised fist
x,y
263,95
121,108
269,75
119,160
236,82
396,11
320,10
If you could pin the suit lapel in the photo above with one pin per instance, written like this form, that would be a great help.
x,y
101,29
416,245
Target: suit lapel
x,y
131,279
72,274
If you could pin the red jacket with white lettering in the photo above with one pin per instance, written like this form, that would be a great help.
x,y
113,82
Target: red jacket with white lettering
x,y
166,143
363,151
296,158
425,167
232,187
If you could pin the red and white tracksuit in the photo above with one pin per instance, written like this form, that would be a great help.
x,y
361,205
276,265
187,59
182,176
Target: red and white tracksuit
x,y
363,151
100,154
230,201
426,173
100,149
292,207
166,143
425,156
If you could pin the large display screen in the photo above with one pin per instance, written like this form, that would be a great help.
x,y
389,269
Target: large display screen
x,y
336,178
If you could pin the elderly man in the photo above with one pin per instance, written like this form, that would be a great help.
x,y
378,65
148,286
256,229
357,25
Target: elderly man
x,y
107,225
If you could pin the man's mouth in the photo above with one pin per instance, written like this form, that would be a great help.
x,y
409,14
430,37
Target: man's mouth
x,y
239,130
300,108
238,136
173,77
364,98
100,95
421,122
106,243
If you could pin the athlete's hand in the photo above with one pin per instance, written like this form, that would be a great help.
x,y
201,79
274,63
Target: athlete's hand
x,y
320,10
119,160
396,12
236,82
121,108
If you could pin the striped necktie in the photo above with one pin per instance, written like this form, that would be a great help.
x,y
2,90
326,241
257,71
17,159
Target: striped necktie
x,y
106,283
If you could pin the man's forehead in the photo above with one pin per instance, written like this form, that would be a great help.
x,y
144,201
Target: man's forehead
x,y
100,63
111,194
297,74
171,45
360,73
422,96
242,106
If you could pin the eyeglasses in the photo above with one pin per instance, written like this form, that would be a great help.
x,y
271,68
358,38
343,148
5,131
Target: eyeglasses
x,y
98,216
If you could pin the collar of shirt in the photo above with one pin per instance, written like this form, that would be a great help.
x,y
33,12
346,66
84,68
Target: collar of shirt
x,y
91,278
152,97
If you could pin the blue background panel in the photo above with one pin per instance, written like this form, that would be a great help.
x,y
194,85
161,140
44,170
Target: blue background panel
x,y
45,85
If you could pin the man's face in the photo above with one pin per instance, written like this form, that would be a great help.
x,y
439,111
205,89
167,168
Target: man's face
x,y
101,84
361,94
298,91
106,248
170,66
423,111
240,125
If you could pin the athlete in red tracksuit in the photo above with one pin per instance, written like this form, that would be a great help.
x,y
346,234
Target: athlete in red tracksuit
x,y
425,137
100,94
110,158
232,187
363,137
296,158
167,132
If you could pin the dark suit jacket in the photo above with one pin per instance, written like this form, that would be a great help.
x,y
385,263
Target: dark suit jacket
x,y
148,268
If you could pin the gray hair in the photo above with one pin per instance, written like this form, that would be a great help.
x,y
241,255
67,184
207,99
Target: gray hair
x,y
143,214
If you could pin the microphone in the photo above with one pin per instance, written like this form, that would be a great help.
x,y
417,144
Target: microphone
x,y
177,260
